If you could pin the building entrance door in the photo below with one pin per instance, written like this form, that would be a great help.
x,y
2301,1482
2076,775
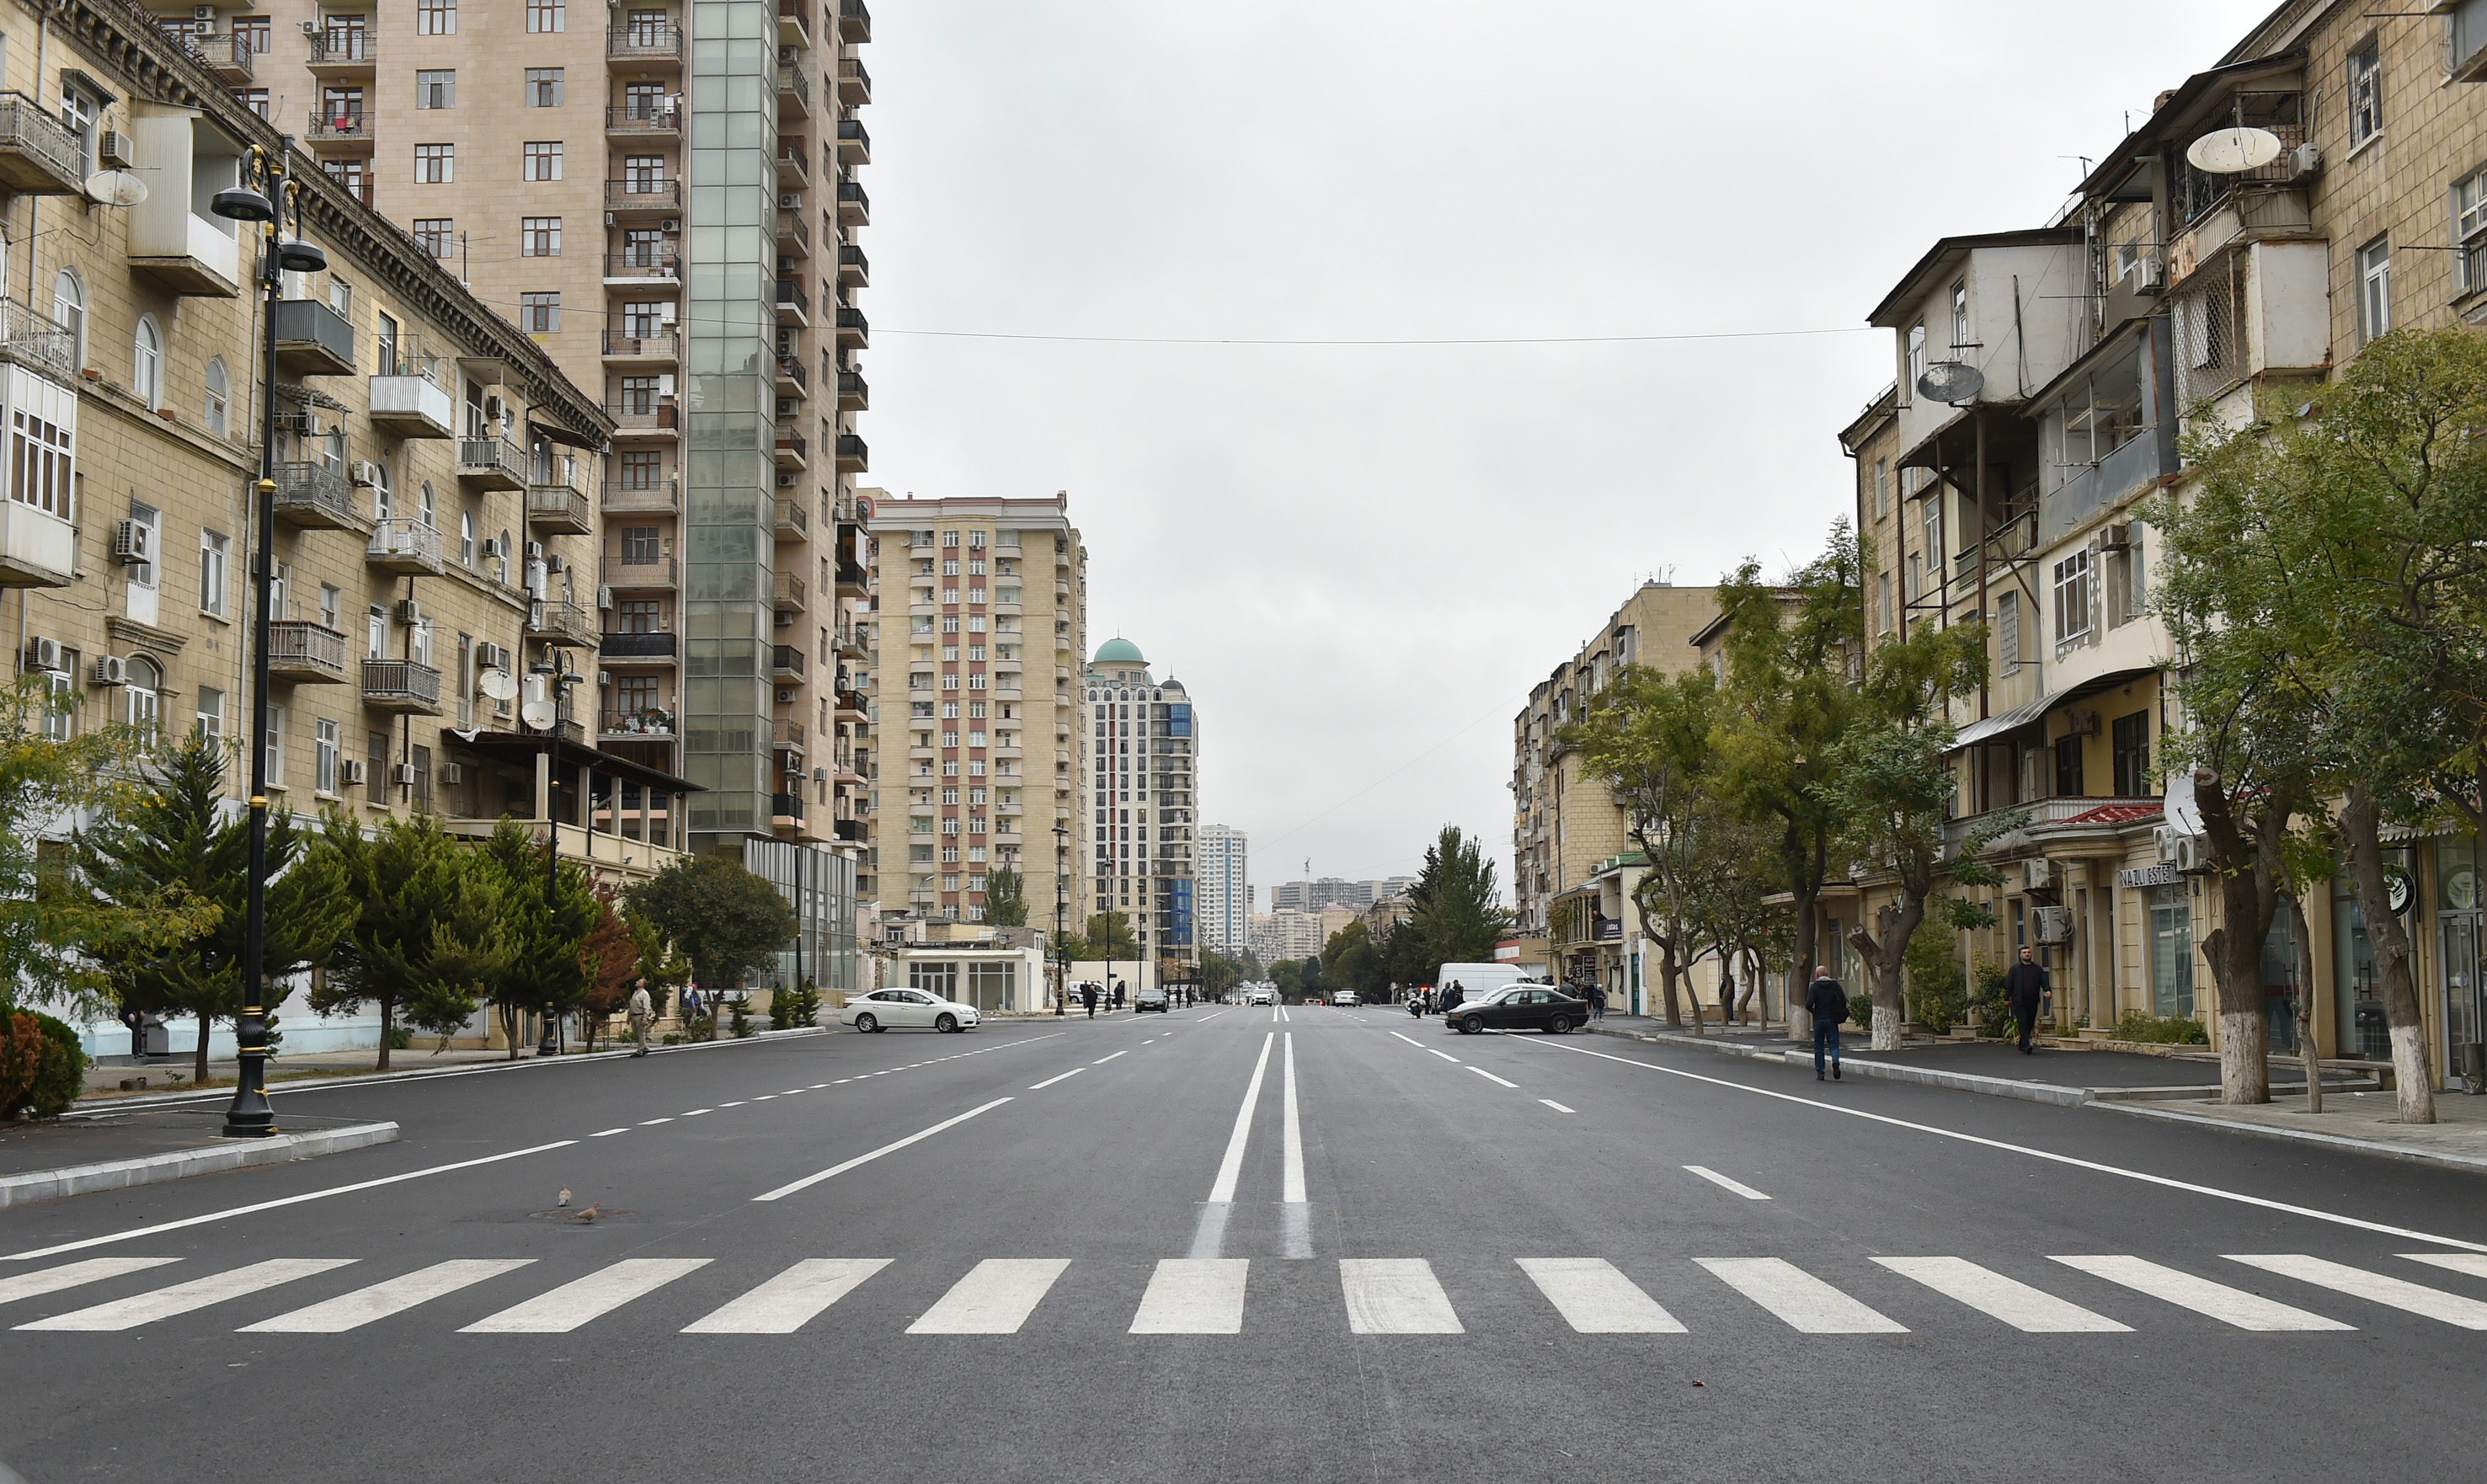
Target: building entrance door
x,y
2463,1012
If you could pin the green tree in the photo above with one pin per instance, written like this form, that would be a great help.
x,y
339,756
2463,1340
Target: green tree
x,y
423,936
170,838
541,927
1110,935
609,958
1455,908
1352,961
1288,974
725,921
1647,738
1005,898
1218,973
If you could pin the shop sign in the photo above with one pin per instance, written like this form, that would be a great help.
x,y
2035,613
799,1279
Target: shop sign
x,y
2150,876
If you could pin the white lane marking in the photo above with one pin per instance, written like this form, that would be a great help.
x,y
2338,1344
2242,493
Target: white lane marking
x,y
1283,1012
1101,1060
197,1294
1151,1041
834,1170
995,1298
695,1112
1210,1016
271,1205
1446,1057
2091,1166
790,1299
1064,1077
1274,1011
2030,1310
738,1103
2357,1282
1808,1304
92,1269
1395,1296
817,1086
771,1097
1490,1077
2216,1301
2472,1263
1194,1296
576,1302
651,1122
354,1310
1411,1041
607,1132
1726,1184
1293,1157
1231,1167
1557,1106
1593,1299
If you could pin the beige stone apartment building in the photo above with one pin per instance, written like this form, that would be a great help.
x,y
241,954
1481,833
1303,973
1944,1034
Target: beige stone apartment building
x,y
663,197
434,472
979,618
1145,735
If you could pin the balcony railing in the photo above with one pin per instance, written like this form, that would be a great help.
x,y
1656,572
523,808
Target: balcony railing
x,y
854,394
666,344
560,509
791,592
303,651
789,224
664,494
854,83
37,155
854,142
791,446
792,154
793,518
562,622
405,544
787,808
643,117
624,573
340,128
791,370
498,462
311,493
788,661
855,22
642,43
401,685
345,48
796,82
855,206
641,415
853,456
659,645
37,341
643,193
647,721
643,265
789,294
854,268
790,733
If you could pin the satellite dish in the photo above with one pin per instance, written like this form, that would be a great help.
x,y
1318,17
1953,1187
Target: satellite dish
x,y
538,715
115,187
1951,382
498,684
2234,151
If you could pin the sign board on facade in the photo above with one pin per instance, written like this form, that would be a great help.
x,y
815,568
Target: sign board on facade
x,y
2150,876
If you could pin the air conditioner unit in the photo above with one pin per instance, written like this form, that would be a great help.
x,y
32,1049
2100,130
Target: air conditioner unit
x,y
2190,853
451,775
2118,537
42,654
404,773
608,218
367,474
673,224
556,566
785,696
785,56
2304,161
112,150
491,657
2149,275
604,597
350,770
791,200
2041,874
109,670
310,28
206,13
492,552
2055,924
534,550
134,541
409,612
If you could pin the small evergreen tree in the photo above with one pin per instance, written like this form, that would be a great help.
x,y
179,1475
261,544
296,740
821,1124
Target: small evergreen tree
x,y
542,927
1005,898
423,933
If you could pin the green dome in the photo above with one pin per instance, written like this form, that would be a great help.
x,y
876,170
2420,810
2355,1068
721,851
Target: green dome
x,y
1119,652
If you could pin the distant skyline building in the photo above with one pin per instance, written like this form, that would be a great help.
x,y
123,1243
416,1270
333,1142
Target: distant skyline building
x,y
1146,740
1332,892
1223,888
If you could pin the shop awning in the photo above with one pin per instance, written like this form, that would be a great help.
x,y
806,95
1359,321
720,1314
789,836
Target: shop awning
x,y
2019,717
509,746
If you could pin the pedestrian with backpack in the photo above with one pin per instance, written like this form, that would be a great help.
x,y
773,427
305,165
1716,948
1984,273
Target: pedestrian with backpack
x,y
1828,1003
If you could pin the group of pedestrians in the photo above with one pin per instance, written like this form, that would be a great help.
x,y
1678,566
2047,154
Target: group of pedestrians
x,y
1825,999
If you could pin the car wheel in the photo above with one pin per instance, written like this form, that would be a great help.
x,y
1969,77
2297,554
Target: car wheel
x,y
1472,1026
1558,1025
945,1024
867,1023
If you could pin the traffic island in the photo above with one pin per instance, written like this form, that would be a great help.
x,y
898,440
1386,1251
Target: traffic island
x,y
148,1150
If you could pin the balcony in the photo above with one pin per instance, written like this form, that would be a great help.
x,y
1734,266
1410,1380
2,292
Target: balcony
x,y
413,408
313,496
794,520
851,704
306,653
794,239
491,464
642,417
339,134
37,547
653,722
794,23
793,594
854,394
624,648
313,340
855,22
794,92
792,452
37,156
785,811
663,495
37,341
854,143
855,332
855,84
790,735
344,55
855,208
852,456
643,121
666,347
794,164
627,577
786,663
849,638
402,686
852,580
793,308
405,545
644,196
644,43
567,624
791,379
2074,810
625,270
851,831
228,56
558,510
855,269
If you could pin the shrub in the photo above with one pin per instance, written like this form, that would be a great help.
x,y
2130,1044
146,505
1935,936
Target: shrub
x,y
2164,1029
1994,1011
400,1037
1860,1009
798,1006
42,1067
738,1008
1938,990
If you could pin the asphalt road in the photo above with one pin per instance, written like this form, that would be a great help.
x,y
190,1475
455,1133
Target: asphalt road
x,y
1406,1255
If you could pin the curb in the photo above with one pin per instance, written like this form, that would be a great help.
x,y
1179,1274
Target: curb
x,y
1960,1081
87,1106
242,1154
2442,1158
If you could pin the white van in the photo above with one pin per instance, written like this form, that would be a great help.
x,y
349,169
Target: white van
x,y
1476,980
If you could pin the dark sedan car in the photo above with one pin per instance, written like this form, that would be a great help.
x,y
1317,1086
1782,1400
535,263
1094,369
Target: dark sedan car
x,y
1521,1007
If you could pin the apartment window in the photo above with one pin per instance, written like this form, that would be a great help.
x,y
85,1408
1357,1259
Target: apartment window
x,y
466,538
375,784
354,175
435,18
1959,317
142,573
274,739
635,695
214,552
643,100
1916,356
78,113
2366,92
1915,583
432,235
541,160
2374,289
641,615
2130,737
640,545
434,164
435,89
211,713
642,470
258,31
544,87
332,601
68,310
1884,608
2007,634
419,643
465,680
376,633
540,314
2469,229
548,15
649,28
147,362
217,412
643,247
2128,592
323,757
254,98
2068,768
642,174
639,396
342,108
643,321
1882,488
540,236
341,297
2072,597
1934,537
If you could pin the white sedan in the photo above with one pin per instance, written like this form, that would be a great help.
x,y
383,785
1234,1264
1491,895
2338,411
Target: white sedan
x,y
909,1009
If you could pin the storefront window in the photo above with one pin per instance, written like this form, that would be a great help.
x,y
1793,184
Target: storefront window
x,y
2171,951
2458,923
940,979
2358,992
2279,980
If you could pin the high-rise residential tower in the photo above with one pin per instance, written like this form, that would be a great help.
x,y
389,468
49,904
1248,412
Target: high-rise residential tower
x,y
1146,739
1223,889
661,194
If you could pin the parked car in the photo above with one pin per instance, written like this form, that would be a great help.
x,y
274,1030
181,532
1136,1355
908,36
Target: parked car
x,y
1521,1007
1346,998
909,1010
1150,999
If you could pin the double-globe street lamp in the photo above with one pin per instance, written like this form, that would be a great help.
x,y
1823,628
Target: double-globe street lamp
x,y
1061,944
268,199
543,711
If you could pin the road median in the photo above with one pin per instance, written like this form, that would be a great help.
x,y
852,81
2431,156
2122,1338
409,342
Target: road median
x,y
32,1186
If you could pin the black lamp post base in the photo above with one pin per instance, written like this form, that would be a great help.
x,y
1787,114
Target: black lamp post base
x,y
250,1118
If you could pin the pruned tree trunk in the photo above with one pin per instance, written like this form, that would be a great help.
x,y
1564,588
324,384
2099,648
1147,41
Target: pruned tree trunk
x,y
2362,830
2244,861
1726,991
388,1032
2305,999
207,1029
1800,1021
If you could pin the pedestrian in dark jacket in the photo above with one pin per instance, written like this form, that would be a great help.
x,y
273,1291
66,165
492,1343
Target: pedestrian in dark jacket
x,y
1088,997
1452,996
1828,1003
2025,985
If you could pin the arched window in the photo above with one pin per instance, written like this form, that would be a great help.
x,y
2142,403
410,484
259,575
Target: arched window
x,y
465,538
143,694
220,402
381,502
147,362
69,311
431,510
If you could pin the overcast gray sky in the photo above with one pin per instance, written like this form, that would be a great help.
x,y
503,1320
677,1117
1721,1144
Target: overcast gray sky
x,y
1360,557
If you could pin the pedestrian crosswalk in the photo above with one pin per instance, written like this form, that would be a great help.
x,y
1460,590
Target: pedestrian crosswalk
x,y
2108,1293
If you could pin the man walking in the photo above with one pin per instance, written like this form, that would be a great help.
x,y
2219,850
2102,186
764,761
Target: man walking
x,y
1828,1003
2025,985
1088,997
642,1011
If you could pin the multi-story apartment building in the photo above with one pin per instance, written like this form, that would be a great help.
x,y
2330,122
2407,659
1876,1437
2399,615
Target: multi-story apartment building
x,y
1147,741
1223,881
976,754
1332,892
433,470
2165,294
664,198
1285,935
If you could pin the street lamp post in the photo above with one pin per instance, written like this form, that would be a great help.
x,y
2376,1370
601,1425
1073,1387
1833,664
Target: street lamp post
x,y
1061,946
262,200
556,683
